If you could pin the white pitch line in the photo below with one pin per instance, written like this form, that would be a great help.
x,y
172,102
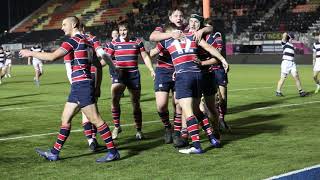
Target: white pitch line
x,y
269,87
51,105
285,105
294,172
76,130
148,122
29,107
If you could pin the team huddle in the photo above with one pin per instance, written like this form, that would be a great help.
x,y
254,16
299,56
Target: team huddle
x,y
187,58
189,66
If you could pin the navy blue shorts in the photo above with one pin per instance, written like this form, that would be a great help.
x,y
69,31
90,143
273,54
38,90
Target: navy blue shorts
x,y
209,86
221,77
191,84
131,79
163,80
82,93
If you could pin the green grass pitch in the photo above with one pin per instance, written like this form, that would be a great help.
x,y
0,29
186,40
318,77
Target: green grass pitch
x,y
270,135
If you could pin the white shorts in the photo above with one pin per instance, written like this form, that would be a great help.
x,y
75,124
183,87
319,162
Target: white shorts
x,y
1,65
37,64
316,66
8,61
288,67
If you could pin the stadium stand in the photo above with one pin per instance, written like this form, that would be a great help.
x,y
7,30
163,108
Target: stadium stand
x,y
242,19
296,15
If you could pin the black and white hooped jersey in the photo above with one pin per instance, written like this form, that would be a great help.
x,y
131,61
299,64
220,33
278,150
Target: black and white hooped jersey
x,y
2,57
316,50
8,54
288,51
36,49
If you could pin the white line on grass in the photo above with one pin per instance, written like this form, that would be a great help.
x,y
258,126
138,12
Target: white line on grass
x,y
285,105
257,88
51,105
148,122
76,130
29,107
294,172
151,122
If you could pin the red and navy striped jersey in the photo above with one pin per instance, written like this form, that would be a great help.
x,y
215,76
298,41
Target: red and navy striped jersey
x,y
183,53
106,50
126,53
214,40
164,59
94,44
78,47
94,41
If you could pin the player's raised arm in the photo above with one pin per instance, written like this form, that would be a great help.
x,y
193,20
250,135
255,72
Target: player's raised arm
x,y
106,59
46,56
284,37
159,36
205,30
214,52
153,52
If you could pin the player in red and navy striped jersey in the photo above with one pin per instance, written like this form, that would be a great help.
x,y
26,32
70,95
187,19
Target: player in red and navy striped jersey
x,y
176,17
164,82
82,90
218,72
90,130
209,104
190,82
126,52
221,77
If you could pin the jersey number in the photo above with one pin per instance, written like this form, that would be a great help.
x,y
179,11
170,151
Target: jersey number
x,y
177,45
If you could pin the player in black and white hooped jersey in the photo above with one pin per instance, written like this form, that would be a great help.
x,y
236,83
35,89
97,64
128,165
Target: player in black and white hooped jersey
x,y
316,63
288,64
37,64
2,61
8,63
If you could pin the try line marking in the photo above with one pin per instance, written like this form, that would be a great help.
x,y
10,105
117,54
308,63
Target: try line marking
x,y
304,170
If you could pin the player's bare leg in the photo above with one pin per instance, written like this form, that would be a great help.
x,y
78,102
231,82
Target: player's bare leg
x,y
69,111
192,126
162,98
117,90
280,84
222,107
92,113
137,114
298,84
90,131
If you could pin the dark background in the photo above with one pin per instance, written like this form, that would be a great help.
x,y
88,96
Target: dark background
x,y
19,9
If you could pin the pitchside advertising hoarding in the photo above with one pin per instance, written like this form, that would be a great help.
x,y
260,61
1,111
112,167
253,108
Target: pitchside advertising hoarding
x,y
262,36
